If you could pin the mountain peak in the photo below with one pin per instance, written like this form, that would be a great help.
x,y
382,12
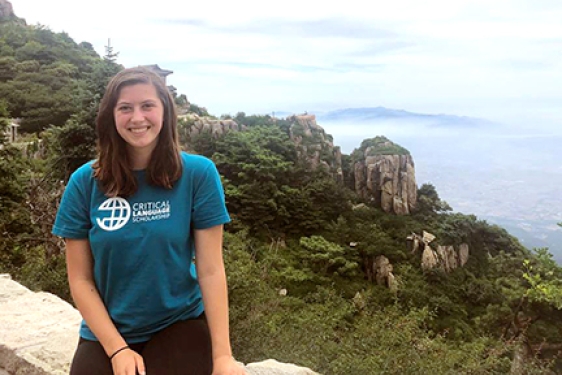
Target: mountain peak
x,y
362,114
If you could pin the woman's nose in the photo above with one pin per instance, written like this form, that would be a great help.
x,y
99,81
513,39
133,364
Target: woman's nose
x,y
138,116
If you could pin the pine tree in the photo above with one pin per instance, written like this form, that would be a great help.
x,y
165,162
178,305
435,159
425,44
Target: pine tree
x,y
109,54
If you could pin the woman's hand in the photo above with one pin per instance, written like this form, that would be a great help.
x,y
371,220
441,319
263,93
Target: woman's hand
x,y
128,362
226,365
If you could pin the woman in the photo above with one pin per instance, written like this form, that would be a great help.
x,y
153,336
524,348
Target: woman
x,y
133,222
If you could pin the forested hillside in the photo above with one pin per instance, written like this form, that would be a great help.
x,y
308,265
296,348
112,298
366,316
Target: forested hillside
x,y
318,275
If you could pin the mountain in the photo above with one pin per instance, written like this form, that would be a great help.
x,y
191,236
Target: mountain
x,y
382,113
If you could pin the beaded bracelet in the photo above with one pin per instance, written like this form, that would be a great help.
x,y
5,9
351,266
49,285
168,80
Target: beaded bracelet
x,y
117,351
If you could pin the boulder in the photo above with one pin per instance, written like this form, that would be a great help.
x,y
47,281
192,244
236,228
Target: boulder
x,y
382,269
429,258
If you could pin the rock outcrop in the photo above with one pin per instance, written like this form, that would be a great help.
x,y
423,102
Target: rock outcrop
x,y
463,254
39,333
314,145
384,172
445,257
197,125
382,269
429,258
7,12
448,257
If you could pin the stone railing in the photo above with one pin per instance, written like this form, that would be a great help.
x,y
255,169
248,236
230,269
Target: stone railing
x,y
39,333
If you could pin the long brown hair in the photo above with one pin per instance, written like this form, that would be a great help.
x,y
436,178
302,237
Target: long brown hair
x,y
112,168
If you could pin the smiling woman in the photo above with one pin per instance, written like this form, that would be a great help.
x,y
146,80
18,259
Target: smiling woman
x,y
133,222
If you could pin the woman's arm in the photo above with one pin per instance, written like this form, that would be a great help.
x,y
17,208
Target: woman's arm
x,y
212,280
88,301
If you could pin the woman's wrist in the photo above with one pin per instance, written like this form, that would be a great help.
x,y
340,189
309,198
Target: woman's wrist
x,y
112,344
126,347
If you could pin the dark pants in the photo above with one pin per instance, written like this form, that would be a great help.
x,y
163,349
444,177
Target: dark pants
x,y
184,348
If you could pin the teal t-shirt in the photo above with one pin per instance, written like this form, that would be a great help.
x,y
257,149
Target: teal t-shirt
x,y
142,246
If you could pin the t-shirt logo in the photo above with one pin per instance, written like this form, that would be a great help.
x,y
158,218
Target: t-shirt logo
x,y
119,213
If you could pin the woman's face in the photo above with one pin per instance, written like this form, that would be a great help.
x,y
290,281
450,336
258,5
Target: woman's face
x,y
139,115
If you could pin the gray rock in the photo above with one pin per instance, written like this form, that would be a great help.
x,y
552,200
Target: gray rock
x,y
388,180
38,331
6,9
463,254
272,367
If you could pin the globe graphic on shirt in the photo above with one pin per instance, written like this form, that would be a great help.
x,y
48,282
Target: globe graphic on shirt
x,y
115,214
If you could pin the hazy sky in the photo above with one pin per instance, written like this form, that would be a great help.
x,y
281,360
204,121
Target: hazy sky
x,y
500,59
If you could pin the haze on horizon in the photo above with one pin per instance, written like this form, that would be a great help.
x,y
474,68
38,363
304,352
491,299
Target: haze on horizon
x,y
494,60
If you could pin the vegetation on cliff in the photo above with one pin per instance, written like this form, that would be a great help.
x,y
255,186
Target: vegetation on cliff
x,y
300,250
379,145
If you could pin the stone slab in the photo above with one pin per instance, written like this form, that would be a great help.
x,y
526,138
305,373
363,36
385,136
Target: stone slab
x,y
273,367
38,330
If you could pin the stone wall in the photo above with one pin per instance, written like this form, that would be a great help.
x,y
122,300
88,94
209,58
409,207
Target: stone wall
x,y
39,332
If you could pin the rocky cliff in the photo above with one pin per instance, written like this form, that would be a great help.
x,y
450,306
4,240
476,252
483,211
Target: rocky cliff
x,y
195,125
381,171
315,145
384,173
312,143
7,12
446,257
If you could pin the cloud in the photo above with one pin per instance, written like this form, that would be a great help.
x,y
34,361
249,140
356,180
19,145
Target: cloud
x,y
379,47
529,64
240,65
285,28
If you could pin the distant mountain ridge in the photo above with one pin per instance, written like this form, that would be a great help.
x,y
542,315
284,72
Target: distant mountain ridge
x,y
381,113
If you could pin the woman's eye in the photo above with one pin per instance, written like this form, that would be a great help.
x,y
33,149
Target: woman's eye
x,y
124,108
